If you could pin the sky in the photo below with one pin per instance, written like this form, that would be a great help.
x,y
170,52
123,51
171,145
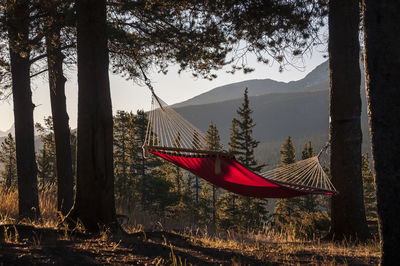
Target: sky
x,y
172,88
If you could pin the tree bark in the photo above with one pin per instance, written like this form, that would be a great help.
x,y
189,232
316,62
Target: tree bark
x,y
382,64
94,204
348,214
65,177
18,32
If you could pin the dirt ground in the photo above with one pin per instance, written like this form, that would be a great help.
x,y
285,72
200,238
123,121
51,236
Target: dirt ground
x,y
35,246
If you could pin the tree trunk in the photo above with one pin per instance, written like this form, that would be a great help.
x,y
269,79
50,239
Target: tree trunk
x,y
348,214
382,61
94,204
18,32
65,177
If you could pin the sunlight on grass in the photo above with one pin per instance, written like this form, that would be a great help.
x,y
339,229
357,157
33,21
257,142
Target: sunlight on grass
x,y
281,247
47,204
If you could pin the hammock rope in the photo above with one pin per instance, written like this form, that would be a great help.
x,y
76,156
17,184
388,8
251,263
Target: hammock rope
x,y
175,139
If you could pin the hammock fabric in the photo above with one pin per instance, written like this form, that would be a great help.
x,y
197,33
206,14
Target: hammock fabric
x,y
232,176
176,140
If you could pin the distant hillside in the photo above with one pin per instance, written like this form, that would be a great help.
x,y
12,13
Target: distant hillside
x,y
302,115
259,87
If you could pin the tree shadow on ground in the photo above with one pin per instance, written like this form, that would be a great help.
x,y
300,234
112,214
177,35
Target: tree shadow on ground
x,y
27,245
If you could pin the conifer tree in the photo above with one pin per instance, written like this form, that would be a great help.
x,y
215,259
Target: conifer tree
x,y
310,203
245,142
308,151
46,159
288,154
233,137
285,209
123,159
229,211
9,161
252,211
213,144
18,24
150,180
197,184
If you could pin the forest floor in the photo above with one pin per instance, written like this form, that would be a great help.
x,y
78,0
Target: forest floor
x,y
28,245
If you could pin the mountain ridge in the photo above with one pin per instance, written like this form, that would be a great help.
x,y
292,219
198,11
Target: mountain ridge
x,y
257,87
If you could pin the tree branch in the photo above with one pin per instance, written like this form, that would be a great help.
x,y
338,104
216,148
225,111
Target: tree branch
x,y
38,73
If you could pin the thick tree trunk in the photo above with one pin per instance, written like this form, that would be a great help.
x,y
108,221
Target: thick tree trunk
x,y
65,177
18,31
94,204
348,214
382,61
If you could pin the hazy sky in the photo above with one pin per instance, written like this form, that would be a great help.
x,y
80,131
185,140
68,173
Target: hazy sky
x,y
172,88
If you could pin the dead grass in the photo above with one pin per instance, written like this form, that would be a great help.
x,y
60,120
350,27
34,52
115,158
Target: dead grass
x,y
47,205
162,246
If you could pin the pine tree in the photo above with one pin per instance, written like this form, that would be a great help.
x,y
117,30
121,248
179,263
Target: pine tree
x,y
123,157
150,180
310,201
233,137
213,144
285,209
288,154
9,161
229,212
245,142
252,211
308,151
305,214
197,182
46,159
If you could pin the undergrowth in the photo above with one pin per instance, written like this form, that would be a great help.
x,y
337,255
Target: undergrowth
x,y
266,245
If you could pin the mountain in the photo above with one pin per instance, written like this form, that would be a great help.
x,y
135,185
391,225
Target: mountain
x,y
299,110
259,87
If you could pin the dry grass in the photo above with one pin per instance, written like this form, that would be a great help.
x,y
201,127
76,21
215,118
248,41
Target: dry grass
x,y
226,248
47,205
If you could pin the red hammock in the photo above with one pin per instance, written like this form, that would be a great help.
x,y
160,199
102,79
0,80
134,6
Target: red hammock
x,y
232,176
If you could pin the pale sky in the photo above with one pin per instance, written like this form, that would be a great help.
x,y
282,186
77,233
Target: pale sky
x,y
172,88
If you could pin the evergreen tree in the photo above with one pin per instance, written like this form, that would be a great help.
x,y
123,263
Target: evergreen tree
x,y
233,137
381,21
288,154
305,215
308,151
46,159
213,144
150,180
347,207
229,212
253,211
95,199
245,142
124,160
9,162
310,201
285,209
17,25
